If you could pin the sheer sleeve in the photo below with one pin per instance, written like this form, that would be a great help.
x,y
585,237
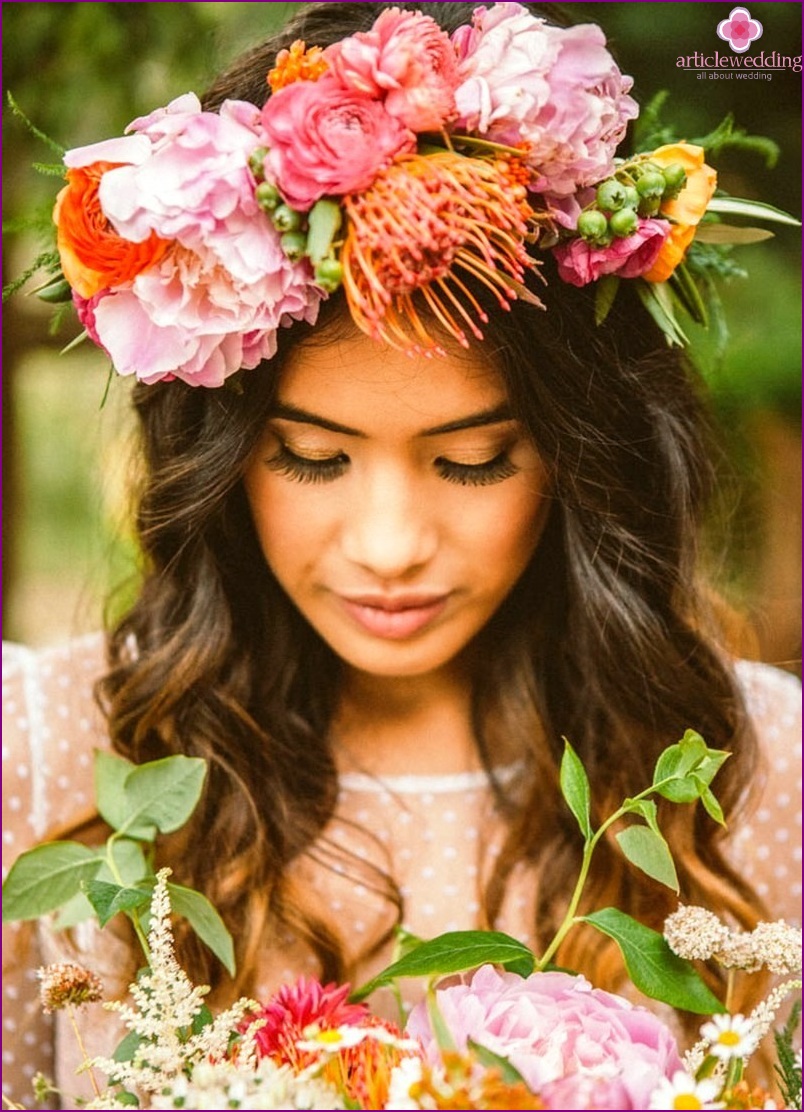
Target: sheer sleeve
x,y
50,727
767,848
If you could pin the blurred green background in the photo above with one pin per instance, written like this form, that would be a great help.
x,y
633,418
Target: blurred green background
x,y
82,71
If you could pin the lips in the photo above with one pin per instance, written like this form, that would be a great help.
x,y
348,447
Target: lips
x,y
394,617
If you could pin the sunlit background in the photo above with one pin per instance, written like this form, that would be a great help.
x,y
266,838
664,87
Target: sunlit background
x,y
82,71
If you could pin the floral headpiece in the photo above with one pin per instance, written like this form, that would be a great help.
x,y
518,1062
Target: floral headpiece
x,y
400,161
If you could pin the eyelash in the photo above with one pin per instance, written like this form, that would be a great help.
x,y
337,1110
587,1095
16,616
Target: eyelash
x,y
303,470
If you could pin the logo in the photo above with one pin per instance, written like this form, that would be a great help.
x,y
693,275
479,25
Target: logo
x,y
739,30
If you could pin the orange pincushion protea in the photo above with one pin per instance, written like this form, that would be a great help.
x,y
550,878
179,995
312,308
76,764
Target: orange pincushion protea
x,y
93,256
297,64
426,219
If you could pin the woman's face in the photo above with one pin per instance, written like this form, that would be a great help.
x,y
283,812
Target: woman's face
x,y
396,501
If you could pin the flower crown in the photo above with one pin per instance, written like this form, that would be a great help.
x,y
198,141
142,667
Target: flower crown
x,y
400,161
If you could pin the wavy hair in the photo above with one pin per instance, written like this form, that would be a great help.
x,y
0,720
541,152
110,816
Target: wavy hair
x,y
603,640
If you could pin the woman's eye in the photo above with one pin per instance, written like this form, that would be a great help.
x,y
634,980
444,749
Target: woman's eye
x,y
477,474
304,470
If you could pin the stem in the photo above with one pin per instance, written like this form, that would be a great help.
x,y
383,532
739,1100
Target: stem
x,y
82,1048
730,984
132,915
569,919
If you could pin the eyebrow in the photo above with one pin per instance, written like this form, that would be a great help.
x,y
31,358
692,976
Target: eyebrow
x,y
493,416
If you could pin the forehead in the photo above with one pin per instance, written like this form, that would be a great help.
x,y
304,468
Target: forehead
x,y
358,382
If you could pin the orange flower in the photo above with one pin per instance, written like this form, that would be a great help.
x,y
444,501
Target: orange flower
x,y
686,210
297,64
93,256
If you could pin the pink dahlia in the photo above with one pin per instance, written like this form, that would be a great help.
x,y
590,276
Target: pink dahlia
x,y
557,89
580,262
325,139
294,1008
407,61
571,1043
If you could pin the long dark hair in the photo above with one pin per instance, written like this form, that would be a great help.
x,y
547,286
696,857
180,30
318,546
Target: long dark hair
x,y
604,640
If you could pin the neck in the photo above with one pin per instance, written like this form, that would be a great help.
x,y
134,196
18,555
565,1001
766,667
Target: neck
x,y
398,725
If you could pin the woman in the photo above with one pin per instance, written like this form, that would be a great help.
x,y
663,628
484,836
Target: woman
x,y
392,563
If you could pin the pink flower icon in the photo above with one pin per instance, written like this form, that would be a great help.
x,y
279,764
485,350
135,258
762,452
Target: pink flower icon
x,y
739,30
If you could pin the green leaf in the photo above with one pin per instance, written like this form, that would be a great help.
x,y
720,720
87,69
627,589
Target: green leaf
x,y
46,877
160,795
605,293
673,776
657,300
646,808
323,221
455,952
76,910
711,805
508,1071
111,772
107,899
648,850
652,965
129,861
575,788
731,234
205,921
126,1048
686,289
736,206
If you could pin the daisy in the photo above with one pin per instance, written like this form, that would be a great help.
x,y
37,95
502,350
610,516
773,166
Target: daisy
x,y
730,1036
683,1091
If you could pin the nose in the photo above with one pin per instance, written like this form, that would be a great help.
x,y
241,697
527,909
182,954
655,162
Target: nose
x,y
390,530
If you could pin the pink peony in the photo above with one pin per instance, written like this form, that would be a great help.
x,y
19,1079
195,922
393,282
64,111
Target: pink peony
x,y
212,303
555,88
569,1041
405,59
188,317
580,262
328,140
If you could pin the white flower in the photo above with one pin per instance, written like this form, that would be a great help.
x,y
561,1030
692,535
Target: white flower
x,y
683,1091
730,1036
403,1077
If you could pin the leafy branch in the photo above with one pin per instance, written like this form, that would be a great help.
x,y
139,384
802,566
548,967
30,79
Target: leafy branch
x,y
78,882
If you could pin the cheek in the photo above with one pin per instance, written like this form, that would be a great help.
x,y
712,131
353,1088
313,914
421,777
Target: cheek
x,y
512,530
288,533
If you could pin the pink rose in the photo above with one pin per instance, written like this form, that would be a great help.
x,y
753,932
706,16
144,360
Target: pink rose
x,y
580,262
324,139
567,1039
405,59
555,88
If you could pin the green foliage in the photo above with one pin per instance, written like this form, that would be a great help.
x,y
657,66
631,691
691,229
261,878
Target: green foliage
x,y
138,802
575,788
788,1067
652,965
454,952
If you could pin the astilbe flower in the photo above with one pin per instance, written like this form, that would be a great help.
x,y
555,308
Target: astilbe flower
x,y
407,61
557,89
426,221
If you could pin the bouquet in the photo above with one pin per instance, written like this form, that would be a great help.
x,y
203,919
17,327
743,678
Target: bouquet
x,y
499,1027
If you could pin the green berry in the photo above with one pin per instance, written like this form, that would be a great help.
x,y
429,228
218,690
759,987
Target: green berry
x,y
611,195
631,197
650,183
592,226
294,244
649,206
256,162
268,196
329,274
675,178
286,219
624,222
